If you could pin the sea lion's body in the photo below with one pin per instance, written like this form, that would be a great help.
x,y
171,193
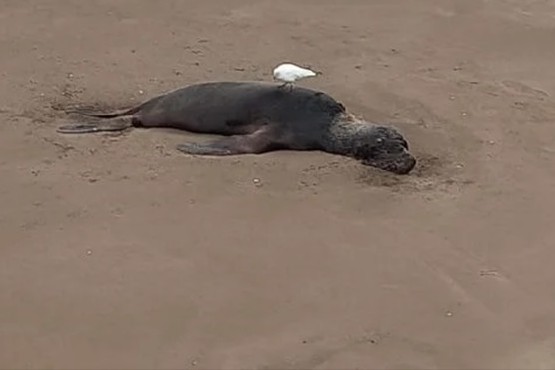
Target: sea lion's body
x,y
260,117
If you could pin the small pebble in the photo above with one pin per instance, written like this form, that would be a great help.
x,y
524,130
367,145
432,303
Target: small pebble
x,y
449,314
491,142
256,181
89,252
464,114
141,92
459,165
451,98
489,273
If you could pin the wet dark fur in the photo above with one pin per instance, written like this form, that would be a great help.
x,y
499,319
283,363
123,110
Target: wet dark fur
x,y
257,118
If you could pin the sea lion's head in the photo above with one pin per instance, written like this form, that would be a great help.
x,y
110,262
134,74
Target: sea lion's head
x,y
383,147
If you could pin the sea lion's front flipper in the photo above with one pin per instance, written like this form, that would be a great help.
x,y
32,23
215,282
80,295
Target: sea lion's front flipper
x,y
116,124
258,142
205,149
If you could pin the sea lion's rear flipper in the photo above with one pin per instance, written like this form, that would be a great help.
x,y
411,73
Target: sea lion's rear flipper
x,y
93,113
115,113
256,143
114,124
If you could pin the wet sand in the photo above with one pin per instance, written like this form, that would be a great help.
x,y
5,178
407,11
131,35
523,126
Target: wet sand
x,y
119,252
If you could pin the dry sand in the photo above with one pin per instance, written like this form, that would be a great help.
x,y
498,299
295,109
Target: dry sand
x,y
118,252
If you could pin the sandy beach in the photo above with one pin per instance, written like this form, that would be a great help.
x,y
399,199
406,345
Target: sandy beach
x,y
119,252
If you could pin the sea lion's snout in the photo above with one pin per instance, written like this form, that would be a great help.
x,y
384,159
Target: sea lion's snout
x,y
386,149
400,163
403,164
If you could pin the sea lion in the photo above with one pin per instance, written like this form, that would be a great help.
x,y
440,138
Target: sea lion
x,y
257,117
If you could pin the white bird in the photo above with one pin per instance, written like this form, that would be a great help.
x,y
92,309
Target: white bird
x,y
289,73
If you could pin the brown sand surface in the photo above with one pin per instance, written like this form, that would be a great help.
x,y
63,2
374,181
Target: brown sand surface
x,y
118,252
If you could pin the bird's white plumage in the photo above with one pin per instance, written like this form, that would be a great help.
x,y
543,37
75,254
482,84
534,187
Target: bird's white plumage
x,y
290,73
